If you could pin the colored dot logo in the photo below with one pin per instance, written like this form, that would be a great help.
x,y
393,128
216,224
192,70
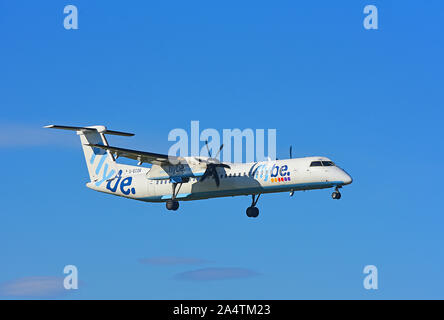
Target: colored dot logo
x,y
280,179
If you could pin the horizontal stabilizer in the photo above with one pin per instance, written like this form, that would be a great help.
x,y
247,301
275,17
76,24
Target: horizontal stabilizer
x,y
100,129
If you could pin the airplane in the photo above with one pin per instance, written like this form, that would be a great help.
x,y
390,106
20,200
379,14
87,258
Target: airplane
x,y
172,179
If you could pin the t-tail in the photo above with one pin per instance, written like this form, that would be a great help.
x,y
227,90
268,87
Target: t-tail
x,y
100,163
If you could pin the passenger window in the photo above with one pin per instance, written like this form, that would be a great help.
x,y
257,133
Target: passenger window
x,y
316,164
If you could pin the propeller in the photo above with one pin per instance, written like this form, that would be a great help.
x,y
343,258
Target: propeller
x,y
212,165
211,171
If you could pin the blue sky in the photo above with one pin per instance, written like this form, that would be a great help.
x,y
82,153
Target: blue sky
x,y
370,100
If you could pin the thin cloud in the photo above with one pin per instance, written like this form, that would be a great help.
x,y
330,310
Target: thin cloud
x,y
21,135
172,261
210,274
39,287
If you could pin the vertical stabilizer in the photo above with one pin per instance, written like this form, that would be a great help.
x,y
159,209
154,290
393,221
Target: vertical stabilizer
x,y
100,163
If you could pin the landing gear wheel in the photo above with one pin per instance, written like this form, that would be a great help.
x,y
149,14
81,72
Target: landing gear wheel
x,y
172,205
252,212
336,195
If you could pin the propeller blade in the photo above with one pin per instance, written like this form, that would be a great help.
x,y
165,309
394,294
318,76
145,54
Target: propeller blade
x,y
205,175
220,149
223,165
216,176
208,149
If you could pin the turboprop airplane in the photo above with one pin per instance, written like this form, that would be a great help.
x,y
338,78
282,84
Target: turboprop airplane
x,y
172,179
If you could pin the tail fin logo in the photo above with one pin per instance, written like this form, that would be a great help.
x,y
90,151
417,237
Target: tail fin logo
x,y
114,183
106,174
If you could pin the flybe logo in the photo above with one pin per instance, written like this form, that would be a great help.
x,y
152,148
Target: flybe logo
x,y
114,184
125,183
275,173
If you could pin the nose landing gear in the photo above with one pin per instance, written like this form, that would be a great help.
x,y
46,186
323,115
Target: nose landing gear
x,y
336,194
253,211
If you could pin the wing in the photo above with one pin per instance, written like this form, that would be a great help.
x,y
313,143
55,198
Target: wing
x,y
141,156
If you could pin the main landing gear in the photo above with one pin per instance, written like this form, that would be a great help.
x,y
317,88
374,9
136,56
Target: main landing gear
x,y
336,194
253,211
173,204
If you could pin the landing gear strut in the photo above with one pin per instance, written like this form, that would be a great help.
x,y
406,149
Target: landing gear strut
x,y
336,194
253,211
173,204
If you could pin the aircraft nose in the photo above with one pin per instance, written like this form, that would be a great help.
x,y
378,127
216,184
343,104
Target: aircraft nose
x,y
347,178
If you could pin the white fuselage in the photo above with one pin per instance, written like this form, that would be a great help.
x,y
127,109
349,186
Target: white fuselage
x,y
241,179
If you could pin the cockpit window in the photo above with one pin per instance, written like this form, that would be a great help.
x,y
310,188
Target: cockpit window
x,y
322,163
